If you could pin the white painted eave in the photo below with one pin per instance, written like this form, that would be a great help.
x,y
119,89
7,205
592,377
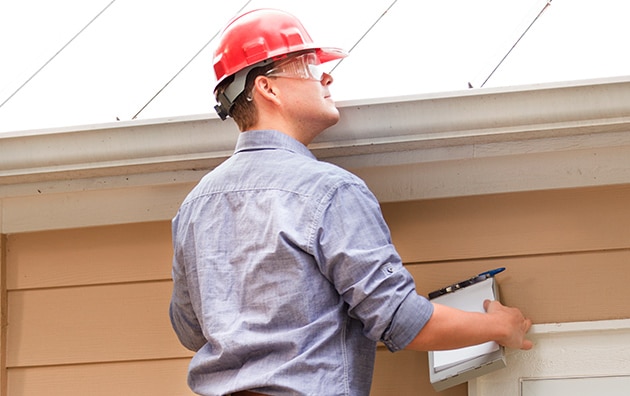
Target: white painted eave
x,y
450,144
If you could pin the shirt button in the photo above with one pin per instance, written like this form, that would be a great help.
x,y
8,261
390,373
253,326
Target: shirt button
x,y
390,270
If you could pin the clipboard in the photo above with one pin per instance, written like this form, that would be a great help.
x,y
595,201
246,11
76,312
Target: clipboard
x,y
453,367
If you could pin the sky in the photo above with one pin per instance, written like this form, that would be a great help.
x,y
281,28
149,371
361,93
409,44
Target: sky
x,y
75,62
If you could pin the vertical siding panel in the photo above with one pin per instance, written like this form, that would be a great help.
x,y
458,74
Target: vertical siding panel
x,y
3,316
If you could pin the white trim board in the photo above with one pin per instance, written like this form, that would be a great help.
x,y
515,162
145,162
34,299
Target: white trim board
x,y
564,350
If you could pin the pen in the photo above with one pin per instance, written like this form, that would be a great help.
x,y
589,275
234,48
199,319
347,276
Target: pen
x,y
475,279
492,273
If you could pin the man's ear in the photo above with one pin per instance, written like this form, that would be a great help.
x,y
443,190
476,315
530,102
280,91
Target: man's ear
x,y
266,88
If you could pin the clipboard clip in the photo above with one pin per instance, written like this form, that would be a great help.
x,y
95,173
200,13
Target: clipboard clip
x,y
460,285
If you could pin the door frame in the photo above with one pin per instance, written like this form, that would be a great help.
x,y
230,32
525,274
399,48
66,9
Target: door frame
x,y
562,350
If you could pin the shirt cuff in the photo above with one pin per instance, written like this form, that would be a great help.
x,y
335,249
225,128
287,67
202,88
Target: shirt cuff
x,y
412,314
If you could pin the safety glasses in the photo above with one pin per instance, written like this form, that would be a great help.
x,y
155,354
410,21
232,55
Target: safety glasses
x,y
305,66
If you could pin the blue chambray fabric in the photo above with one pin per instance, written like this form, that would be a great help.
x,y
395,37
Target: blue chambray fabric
x,y
285,276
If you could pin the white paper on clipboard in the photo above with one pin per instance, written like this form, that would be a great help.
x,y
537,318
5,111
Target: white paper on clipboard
x,y
469,299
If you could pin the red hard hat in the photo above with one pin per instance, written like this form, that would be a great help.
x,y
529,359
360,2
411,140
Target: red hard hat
x,y
257,36
262,34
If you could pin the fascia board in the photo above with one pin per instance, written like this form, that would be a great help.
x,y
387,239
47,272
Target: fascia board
x,y
384,127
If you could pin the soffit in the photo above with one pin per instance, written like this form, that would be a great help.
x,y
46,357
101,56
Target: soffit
x,y
418,147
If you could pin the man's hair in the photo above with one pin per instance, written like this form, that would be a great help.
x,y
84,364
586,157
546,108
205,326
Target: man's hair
x,y
243,110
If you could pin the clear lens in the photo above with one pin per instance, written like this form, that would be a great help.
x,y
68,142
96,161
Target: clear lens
x,y
305,66
316,71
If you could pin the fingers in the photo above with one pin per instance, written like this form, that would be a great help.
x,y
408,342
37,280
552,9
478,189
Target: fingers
x,y
517,322
527,345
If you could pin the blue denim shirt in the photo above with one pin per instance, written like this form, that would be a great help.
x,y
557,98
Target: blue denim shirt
x,y
285,276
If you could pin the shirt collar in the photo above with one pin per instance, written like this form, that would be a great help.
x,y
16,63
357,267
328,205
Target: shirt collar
x,y
270,140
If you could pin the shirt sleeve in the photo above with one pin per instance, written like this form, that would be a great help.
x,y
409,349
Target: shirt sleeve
x,y
181,311
353,248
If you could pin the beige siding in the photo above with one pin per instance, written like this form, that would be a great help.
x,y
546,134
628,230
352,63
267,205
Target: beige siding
x,y
72,325
88,313
3,316
566,251
406,373
566,254
90,256
147,377
87,308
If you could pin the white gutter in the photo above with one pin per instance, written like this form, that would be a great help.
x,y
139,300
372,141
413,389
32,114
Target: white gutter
x,y
462,143
366,127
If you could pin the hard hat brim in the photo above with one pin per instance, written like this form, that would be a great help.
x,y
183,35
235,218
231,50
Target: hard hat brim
x,y
327,54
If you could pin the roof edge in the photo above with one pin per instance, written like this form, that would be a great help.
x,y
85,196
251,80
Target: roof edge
x,y
435,146
366,127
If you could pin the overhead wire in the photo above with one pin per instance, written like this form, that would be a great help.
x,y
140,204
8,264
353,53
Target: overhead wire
x,y
359,40
217,33
185,66
514,45
365,33
57,53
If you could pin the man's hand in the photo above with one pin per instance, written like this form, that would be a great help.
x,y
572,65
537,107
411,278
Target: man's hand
x,y
451,328
516,325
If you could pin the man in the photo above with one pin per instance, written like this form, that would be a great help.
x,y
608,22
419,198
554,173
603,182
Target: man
x,y
285,276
